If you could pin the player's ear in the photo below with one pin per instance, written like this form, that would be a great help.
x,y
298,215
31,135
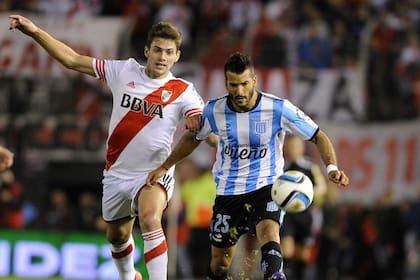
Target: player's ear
x,y
178,55
146,52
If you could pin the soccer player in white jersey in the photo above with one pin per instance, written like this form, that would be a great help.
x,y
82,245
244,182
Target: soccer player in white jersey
x,y
251,126
148,104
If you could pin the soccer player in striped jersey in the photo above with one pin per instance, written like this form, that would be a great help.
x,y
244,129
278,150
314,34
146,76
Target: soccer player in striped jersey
x,y
148,104
251,127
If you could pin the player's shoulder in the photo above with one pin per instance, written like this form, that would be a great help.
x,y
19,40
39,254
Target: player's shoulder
x,y
272,97
214,100
182,81
129,63
215,103
133,64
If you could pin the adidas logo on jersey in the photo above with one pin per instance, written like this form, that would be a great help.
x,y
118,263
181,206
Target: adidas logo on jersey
x,y
131,84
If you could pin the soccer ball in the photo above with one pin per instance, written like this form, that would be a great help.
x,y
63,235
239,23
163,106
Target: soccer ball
x,y
293,191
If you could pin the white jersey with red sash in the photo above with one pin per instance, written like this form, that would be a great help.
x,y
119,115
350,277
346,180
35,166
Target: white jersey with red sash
x,y
144,117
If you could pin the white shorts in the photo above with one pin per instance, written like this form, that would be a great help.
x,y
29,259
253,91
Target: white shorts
x,y
119,195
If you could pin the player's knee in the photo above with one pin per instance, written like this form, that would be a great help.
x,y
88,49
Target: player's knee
x,y
220,266
117,236
149,221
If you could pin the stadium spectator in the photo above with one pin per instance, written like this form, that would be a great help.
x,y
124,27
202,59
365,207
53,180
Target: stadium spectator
x,y
89,213
408,72
327,262
197,193
149,103
382,56
6,158
11,201
243,14
390,246
222,43
412,237
210,16
181,15
314,48
299,231
59,213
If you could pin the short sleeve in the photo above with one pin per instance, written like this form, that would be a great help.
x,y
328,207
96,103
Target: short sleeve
x,y
295,121
193,103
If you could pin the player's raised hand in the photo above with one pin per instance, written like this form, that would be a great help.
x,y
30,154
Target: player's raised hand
x,y
338,177
155,175
23,24
6,158
192,124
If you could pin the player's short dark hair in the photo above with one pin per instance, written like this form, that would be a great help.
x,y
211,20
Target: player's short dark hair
x,y
165,30
238,63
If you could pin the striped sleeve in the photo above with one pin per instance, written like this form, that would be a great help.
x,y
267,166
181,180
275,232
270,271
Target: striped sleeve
x,y
99,68
193,112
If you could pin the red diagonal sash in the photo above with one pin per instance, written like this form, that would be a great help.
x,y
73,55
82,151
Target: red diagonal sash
x,y
133,122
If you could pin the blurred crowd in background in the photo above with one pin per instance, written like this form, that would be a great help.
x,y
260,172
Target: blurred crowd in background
x,y
354,241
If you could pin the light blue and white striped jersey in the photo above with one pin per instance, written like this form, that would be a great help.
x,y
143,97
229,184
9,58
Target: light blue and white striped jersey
x,y
249,154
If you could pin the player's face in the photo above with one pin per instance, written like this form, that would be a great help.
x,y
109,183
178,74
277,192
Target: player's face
x,y
241,88
161,56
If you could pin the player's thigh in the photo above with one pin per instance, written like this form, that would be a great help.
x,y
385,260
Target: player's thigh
x,y
229,220
151,203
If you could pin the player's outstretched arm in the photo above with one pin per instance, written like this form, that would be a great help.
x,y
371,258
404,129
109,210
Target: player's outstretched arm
x,y
57,49
183,148
326,149
6,158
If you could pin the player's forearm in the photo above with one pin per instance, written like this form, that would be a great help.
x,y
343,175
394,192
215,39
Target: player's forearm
x,y
183,148
325,148
63,53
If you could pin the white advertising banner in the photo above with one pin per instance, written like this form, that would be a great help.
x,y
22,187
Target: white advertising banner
x,y
20,55
378,158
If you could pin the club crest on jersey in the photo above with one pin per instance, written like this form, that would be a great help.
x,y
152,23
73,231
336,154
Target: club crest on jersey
x,y
260,127
166,94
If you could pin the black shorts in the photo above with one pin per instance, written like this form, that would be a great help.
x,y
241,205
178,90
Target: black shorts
x,y
234,215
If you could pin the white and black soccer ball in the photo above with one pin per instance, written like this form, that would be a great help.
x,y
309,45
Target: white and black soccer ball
x,y
293,191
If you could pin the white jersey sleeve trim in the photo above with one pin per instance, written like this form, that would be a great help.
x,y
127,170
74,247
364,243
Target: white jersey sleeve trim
x,y
193,112
98,66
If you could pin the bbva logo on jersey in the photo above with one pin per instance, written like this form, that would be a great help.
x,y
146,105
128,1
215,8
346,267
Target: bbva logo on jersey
x,y
139,105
